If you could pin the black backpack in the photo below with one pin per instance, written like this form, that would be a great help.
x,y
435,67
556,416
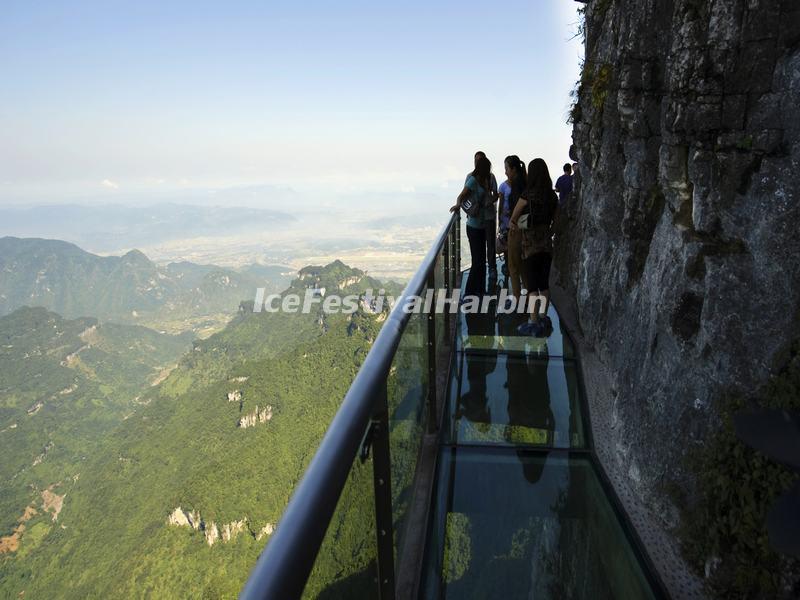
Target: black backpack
x,y
542,208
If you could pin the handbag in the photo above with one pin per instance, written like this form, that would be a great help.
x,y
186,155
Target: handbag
x,y
471,207
522,222
501,244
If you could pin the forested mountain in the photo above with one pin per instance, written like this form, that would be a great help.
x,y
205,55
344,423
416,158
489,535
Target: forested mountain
x,y
64,385
130,288
181,497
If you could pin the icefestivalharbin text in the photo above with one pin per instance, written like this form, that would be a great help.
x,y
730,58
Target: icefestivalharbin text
x,y
438,301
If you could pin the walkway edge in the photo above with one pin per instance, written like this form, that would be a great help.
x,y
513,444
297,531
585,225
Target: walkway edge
x,y
661,548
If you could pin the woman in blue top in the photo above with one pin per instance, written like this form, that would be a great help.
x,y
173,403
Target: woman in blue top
x,y
478,188
510,192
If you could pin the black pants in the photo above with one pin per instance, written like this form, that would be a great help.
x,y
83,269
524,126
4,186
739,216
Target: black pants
x,y
538,268
476,282
491,245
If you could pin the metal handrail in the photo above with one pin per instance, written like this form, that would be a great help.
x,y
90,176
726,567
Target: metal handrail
x,y
282,570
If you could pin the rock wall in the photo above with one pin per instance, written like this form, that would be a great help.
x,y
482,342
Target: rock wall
x,y
681,243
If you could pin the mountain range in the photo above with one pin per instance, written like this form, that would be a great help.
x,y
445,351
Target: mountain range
x,y
145,464
131,288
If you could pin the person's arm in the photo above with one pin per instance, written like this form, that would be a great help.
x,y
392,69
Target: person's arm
x,y
518,209
461,197
501,195
500,211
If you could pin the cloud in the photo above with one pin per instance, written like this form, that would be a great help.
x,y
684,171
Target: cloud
x,y
110,184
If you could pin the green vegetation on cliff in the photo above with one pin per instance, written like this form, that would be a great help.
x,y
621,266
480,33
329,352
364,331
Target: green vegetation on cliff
x,y
181,497
737,486
65,385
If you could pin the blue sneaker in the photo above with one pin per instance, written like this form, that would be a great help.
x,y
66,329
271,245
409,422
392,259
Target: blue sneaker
x,y
546,327
535,328
529,328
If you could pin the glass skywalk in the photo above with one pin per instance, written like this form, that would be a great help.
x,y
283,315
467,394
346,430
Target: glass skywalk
x,y
519,509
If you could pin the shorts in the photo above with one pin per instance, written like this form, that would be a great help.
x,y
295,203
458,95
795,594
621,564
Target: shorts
x,y
537,266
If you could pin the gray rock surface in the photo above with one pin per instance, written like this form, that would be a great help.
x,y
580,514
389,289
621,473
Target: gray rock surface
x,y
680,246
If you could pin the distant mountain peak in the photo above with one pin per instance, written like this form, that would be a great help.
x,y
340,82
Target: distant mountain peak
x,y
136,256
335,268
335,275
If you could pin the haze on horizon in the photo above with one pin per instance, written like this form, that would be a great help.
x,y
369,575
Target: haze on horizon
x,y
279,106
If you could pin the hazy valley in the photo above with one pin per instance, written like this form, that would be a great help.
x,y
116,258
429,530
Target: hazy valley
x,y
367,233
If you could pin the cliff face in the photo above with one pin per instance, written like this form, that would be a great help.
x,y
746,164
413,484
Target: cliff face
x,y
681,244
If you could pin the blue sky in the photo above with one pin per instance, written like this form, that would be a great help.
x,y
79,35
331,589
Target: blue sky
x,y
141,101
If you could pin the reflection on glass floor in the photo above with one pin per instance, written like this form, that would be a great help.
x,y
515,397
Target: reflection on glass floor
x,y
514,399
519,510
527,525
497,331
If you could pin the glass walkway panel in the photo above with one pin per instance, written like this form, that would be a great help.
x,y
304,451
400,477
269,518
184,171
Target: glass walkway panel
x,y
519,509
511,523
513,399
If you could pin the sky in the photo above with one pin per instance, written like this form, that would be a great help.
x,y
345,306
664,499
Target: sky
x,y
142,102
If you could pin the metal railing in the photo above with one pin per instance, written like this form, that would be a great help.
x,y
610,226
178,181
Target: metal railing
x,y
362,422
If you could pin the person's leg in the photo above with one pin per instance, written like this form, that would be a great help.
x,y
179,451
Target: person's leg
x,y
480,261
476,281
547,261
515,262
528,271
540,280
537,310
529,268
491,249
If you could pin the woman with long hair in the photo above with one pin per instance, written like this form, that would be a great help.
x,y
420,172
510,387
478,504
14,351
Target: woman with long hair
x,y
538,202
478,189
510,191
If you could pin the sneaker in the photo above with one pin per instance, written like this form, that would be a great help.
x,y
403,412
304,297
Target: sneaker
x,y
545,328
539,328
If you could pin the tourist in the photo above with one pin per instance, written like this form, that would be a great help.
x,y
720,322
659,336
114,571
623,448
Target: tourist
x,y
564,184
489,221
509,192
538,205
477,189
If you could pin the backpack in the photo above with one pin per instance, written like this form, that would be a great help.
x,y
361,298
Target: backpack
x,y
542,208
473,206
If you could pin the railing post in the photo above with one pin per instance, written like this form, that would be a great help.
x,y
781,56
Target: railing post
x,y
382,483
448,282
432,356
458,251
